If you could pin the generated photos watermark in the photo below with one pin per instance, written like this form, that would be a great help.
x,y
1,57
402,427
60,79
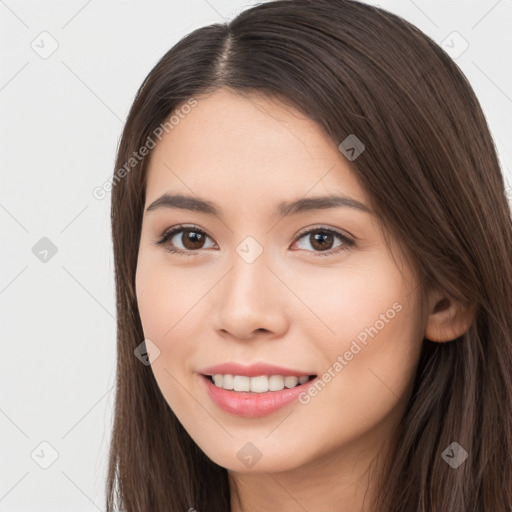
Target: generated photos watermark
x,y
101,191
348,355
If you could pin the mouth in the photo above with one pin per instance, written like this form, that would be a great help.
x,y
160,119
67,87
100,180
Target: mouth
x,y
258,384
258,396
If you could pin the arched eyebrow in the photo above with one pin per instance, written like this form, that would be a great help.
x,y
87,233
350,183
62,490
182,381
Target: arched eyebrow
x,y
283,209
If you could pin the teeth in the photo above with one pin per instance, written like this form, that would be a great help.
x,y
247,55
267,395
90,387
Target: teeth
x,y
260,384
241,383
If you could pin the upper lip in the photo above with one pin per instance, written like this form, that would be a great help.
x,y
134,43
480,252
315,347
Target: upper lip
x,y
253,370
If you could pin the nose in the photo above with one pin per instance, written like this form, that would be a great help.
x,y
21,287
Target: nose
x,y
251,301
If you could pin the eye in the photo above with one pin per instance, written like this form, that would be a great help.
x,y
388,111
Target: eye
x,y
321,239
191,239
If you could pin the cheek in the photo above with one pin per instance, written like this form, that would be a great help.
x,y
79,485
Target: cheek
x,y
367,316
165,304
344,301
152,299
164,295
376,355
169,302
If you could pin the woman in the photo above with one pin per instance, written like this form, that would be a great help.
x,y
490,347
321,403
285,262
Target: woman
x,y
312,250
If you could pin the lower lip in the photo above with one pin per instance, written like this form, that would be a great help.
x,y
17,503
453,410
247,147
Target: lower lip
x,y
253,404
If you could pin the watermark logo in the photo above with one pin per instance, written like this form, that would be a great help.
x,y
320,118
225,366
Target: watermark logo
x,y
45,45
147,352
249,454
249,249
454,45
351,147
44,455
44,250
454,455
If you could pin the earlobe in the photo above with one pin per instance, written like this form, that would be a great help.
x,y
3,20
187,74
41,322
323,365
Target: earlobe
x,y
448,319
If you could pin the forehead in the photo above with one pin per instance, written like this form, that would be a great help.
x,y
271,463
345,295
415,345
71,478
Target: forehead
x,y
239,148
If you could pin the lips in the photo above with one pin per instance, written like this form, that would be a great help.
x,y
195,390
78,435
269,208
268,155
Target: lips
x,y
251,405
253,370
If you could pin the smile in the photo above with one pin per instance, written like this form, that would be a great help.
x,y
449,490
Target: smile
x,y
249,403
258,384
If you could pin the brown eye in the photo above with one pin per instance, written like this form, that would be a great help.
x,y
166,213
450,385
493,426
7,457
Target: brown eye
x,y
192,239
323,241
184,240
188,240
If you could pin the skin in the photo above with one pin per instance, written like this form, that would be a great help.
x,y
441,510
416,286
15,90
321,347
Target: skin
x,y
293,306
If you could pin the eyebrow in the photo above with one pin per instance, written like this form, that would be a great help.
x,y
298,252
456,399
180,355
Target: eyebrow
x,y
283,209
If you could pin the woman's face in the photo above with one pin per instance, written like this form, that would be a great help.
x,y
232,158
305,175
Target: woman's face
x,y
312,290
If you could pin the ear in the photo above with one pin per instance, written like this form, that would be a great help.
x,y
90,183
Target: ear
x,y
447,318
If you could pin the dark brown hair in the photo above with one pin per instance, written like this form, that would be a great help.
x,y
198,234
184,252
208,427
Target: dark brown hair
x,y
431,170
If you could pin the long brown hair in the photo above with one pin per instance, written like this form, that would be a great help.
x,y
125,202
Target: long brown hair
x,y
431,170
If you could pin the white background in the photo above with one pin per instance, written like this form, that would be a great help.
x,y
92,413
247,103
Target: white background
x,y
60,122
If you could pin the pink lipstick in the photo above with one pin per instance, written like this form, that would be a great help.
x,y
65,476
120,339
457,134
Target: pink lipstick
x,y
248,403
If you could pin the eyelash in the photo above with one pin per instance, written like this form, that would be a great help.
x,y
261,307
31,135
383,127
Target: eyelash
x,y
167,235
